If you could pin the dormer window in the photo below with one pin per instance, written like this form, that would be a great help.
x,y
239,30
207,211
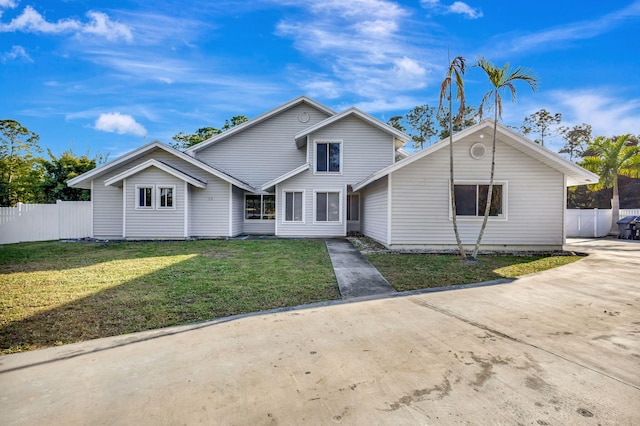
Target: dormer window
x,y
328,157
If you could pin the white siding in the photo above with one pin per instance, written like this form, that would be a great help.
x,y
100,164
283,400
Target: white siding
x,y
209,209
107,210
534,208
365,149
373,214
265,151
154,223
260,227
238,212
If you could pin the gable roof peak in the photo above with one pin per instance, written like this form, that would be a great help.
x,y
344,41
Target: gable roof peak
x,y
259,119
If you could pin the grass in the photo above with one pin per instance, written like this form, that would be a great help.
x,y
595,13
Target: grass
x,y
53,293
416,271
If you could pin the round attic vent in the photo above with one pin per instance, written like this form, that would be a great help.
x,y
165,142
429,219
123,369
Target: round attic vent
x,y
477,150
303,117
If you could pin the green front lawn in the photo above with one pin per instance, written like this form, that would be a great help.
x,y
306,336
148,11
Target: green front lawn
x,y
416,271
54,293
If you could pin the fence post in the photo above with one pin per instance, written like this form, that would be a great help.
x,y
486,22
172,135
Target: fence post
x,y
59,208
595,223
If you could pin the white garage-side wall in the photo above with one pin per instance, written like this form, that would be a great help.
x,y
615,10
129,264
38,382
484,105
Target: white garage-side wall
x,y
209,209
420,213
154,222
374,212
107,210
237,211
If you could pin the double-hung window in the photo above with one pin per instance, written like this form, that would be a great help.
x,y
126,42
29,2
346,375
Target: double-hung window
x,y
471,200
144,197
293,206
328,157
260,207
151,197
166,197
327,206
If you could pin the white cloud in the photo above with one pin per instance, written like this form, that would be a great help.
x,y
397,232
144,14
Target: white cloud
x,y
322,88
410,72
102,25
606,112
363,45
557,36
115,122
16,52
99,24
462,8
7,4
457,7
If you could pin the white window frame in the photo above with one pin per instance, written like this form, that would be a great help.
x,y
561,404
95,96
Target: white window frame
x,y
137,197
315,157
315,207
505,200
174,200
262,214
284,206
357,194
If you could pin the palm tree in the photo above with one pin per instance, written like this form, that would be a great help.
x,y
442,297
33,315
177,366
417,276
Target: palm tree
x,y
501,79
456,70
609,160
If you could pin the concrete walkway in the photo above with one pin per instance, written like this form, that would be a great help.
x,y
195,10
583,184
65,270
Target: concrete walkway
x,y
356,276
560,347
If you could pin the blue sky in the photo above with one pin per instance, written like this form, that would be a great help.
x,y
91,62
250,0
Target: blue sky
x,y
107,76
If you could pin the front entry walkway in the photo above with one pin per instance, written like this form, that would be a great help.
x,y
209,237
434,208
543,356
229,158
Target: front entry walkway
x,y
356,276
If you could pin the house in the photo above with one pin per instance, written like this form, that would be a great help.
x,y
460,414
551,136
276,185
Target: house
x,y
303,170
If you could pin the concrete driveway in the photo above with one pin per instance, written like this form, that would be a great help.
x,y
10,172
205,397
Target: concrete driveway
x,y
556,348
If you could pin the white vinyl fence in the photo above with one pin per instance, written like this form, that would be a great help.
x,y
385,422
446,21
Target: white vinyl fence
x,y
592,222
42,222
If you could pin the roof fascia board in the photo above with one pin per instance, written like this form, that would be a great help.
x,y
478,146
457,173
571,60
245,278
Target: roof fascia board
x,y
156,144
285,176
256,120
120,160
557,161
155,163
351,111
550,155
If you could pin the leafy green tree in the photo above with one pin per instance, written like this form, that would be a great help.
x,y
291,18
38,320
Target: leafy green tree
x,y
576,139
58,170
542,123
454,75
469,118
396,122
187,140
500,80
236,120
612,158
19,173
420,121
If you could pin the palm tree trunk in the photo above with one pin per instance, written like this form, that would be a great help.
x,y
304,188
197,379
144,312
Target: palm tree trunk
x,y
490,191
615,208
451,179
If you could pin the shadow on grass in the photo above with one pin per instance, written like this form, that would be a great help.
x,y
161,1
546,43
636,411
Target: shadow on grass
x,y
191,282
